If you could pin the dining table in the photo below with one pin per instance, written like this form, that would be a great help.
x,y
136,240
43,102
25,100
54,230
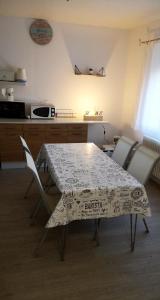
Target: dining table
x,y
91,184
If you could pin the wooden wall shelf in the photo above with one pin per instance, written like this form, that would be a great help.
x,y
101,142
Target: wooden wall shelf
x,y
93,75
90,72
13,82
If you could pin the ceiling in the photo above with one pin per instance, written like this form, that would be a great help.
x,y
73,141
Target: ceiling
x,y
125,14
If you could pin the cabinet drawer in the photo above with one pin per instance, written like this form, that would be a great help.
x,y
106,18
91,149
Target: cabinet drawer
x,y
77,133
56,127
10,145
52,129
75,129
10,130
34,131
56,133
77,126
11,156
34,134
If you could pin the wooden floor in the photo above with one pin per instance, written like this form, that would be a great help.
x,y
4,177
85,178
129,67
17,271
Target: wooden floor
x,y
107,272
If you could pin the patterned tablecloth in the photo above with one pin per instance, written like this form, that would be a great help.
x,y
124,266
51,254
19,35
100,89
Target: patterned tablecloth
x,y
92,185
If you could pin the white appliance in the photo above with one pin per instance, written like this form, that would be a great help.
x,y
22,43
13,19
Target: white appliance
x,y
42,112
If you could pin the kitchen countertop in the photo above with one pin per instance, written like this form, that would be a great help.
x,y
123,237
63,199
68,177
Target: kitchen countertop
x,y
50,121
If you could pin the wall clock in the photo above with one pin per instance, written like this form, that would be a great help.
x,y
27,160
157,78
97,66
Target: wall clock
x,y
41,32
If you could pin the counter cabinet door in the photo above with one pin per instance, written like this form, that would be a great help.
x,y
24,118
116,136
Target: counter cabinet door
x,y
56,133
10,145
77,133
34,136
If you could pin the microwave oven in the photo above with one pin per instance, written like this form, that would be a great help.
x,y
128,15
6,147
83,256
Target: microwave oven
x,y
12,110
42,112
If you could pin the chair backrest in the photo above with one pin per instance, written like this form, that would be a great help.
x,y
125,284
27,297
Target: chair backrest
x,y
142,163
24,145
32,167
123,149
26,148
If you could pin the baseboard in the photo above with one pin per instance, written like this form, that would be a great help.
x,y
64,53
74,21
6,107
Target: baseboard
x,y
13,165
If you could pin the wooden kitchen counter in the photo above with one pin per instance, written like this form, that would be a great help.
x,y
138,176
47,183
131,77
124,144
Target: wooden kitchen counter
x,y
37,132
50,121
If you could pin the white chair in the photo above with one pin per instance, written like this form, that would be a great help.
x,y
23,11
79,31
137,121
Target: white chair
x,y
123,150
26,148
141,166
121,155
38,164
47,201
24,145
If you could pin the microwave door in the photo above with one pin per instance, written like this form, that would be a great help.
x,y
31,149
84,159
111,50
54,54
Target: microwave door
x,y
12,110
42,112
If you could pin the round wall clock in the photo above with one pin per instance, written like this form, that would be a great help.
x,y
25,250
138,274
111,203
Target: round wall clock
x,y
41,32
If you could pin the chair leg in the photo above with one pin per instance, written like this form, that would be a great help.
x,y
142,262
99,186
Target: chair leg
x,y
146,226
131,229
28,188
45,167
35,211
39,245
48,185
96,232
47,181
133,234
63,242
40,163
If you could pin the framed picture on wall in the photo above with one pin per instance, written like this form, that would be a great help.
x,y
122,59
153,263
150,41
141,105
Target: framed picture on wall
x,y
41,32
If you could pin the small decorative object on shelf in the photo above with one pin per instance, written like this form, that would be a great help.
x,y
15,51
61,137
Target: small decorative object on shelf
x,y
101,72
97,116
76,70
92,118
21,75
6,75
90,71
8,93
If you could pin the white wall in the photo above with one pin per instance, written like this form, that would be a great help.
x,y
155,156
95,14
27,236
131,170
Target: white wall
x,y
50,68
137,55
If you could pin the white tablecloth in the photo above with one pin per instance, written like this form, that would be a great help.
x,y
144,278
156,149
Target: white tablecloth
x,y
92,184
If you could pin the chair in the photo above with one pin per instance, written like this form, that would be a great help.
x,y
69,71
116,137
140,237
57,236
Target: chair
x,y
24,145
121,154
140,167
26,148
47,201
123,150
38,164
